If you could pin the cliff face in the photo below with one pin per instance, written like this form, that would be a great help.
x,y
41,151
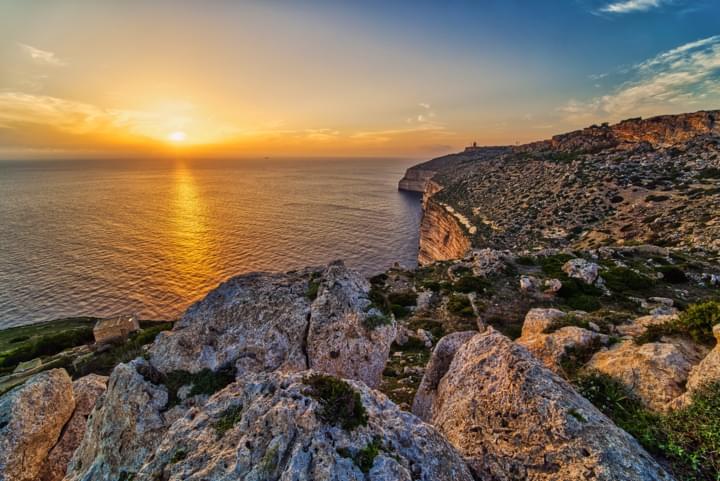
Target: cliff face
x,y
441,235
415,180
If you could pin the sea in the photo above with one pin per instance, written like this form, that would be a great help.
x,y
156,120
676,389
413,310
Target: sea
x,y
150,237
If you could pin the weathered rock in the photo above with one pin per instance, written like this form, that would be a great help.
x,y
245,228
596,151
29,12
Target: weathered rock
x,y
581,269
487,261
442,237
707,371
268,426
263,322
514,419
31,419
538,320
338,341
86,391
640,325
656,372
529,283
436,368
124,428
552,348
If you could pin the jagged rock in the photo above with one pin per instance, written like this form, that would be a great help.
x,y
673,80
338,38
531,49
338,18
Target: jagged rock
x,y
552,285
32,417
265,322
124,428
656,372
529,283
538,320
487,261
552,348
639,326
581,269
86,391
269,426
436,368
338,341
514,419
707,371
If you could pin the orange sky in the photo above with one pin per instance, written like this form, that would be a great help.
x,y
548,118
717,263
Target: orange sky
x,y
221,78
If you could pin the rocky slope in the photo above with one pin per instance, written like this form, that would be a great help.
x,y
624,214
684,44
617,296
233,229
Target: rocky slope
x,y
655,180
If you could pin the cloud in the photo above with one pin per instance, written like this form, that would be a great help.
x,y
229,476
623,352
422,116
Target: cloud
x,y
629,6
683,78
42,56
424,105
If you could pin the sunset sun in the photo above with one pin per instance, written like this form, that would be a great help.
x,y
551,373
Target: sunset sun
x,y
177,136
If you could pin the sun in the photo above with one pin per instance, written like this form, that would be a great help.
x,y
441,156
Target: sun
x,y
177,136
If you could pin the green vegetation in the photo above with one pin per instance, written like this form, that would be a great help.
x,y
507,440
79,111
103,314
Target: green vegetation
x,y
569,320
622,279
699,319
575,357
460,305
673,274
578,295
709,173
469,284
312,290
364,458
23,343
552,265
378,299
576,414
228,419
178,456
373,321
404,298
340,404
688,438
526,261
205,381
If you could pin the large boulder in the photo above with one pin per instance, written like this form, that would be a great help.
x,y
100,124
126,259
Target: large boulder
x,y
86,391
581,269
538,320
32,417
655,372
706,372
514,419
436,368
124,428
262,322
280,426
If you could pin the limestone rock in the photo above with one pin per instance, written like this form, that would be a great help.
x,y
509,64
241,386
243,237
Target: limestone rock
x,y
123,429
338,342
436,368
263,322
656,372
514,419
31,419
707,371
551,348
86,391
538,320
581,269
268,426
638,326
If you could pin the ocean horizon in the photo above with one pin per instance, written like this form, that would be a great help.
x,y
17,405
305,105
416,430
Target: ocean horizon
x,y
99,238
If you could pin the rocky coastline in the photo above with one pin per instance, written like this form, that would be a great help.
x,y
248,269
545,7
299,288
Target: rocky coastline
x,y
534,352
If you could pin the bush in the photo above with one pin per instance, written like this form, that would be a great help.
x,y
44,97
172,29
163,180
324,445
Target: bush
x,y
580,296
340,404
205,381
552,265
404,298
469,284
622,279
673,275
228,419
699,319
526,261
373,321
460,305
47,345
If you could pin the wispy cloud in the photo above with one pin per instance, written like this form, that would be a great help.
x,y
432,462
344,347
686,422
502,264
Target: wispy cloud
x,y
42,56
685,77
629,6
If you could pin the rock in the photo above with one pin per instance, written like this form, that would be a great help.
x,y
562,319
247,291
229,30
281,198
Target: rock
x,y
436,368
403,335
581,269
707,371
552,286
262,322
425,337
656,372
639,326
86,391
538,320
552,348
124,428
338,341
529,283
32,417
270,426
487,261
514,419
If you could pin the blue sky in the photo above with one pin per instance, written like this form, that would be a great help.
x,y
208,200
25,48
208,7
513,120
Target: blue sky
x,y
327,77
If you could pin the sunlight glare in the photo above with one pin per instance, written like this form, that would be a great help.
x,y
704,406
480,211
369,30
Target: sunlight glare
x,y
177,136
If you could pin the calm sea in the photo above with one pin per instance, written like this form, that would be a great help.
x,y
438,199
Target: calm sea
x,y
106,237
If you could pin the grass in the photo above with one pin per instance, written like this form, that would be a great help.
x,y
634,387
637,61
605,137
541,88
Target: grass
x,y
460,305
688,439
566,321
622,279
340,404
228,419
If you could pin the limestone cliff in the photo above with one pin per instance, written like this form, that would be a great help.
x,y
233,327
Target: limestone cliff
x,y
415,180
442,236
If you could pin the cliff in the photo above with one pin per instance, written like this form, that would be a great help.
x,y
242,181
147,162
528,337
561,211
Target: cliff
x,y
442,237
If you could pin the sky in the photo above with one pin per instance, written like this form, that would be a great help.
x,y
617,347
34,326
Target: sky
x,y
415,79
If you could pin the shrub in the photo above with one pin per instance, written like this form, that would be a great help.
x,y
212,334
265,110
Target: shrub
x,y
312,289
460,305
178,456
469,284
378,299
526,261
365,458
404,298
228,419
622,279
552,265
575,357
578,295
673,275
205,381
373,321
399,311
699,319
340,404
568,320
